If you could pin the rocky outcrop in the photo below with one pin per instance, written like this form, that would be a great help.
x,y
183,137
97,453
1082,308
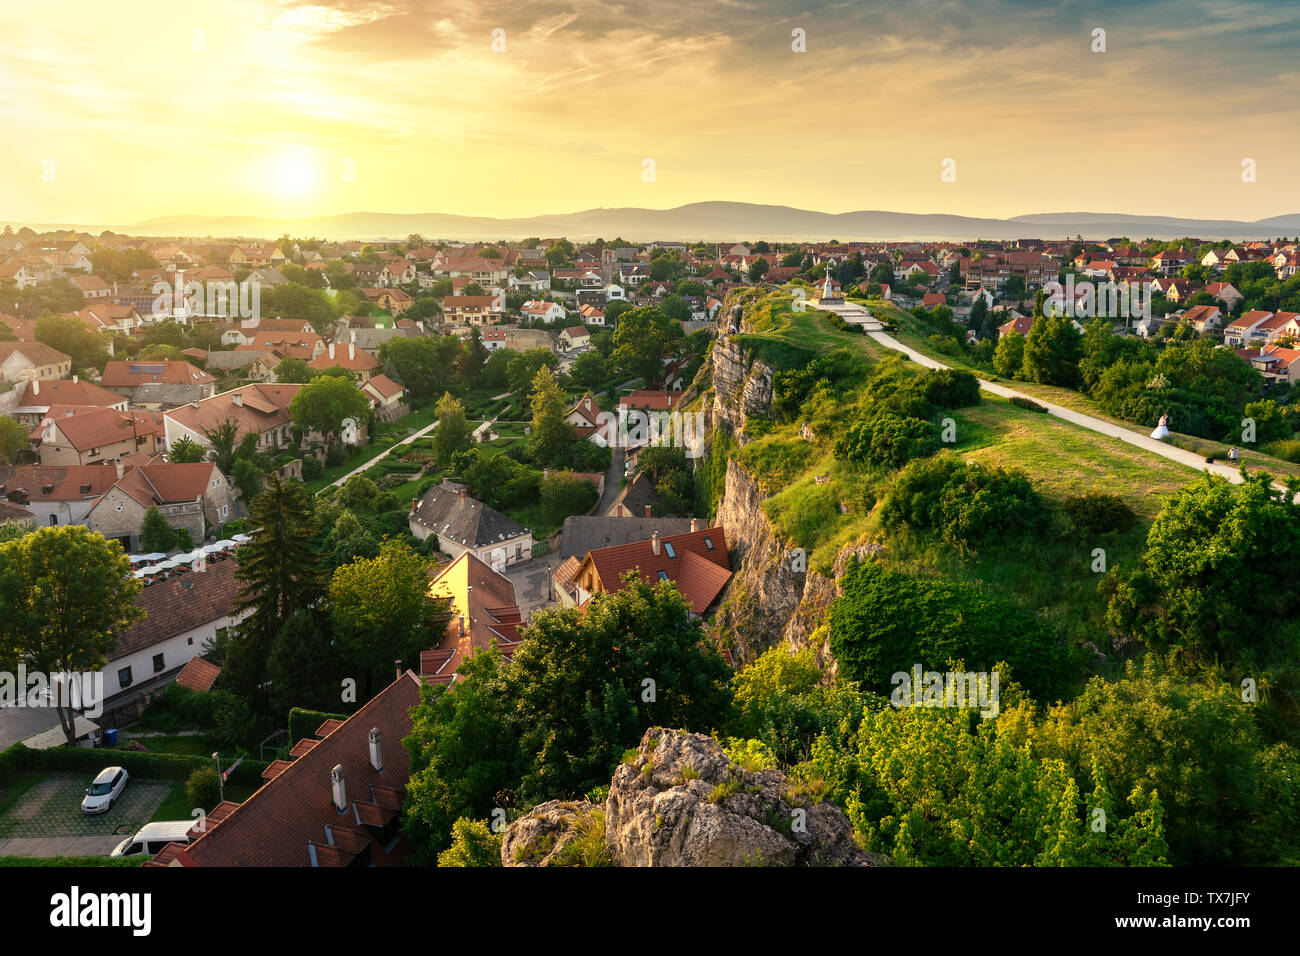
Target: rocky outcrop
x,y
544,835
683,802
740,388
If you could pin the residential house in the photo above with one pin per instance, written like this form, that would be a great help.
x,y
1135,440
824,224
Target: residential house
x,y
126,377
575,337
393,301
548,312
584,415
26,361
261,409
1202,317
481,611
61,495
337,804
92,286
86,435
696,561
194,496
358,363
36,398
386,397
463,524
473,310
1238,330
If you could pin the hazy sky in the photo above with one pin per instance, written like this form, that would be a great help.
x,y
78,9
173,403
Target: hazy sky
x,y
117,112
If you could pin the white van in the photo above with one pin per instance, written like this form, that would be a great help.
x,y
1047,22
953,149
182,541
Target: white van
x,y
154,836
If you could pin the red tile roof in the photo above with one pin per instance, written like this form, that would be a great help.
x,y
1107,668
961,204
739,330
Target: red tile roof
x,y
700,571
198,675
144,371
292,819
181,604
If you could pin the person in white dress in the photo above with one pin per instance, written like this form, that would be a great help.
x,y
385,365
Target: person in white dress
x,y
1162,430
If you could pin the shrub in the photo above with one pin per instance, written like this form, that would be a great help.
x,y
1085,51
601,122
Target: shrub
x,y
886,622
472,844
965,504
312,468
1286,449
1028,404
1098,513
952,388
203,788
890,440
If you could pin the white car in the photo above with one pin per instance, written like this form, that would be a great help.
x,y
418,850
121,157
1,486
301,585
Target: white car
x,y
104,790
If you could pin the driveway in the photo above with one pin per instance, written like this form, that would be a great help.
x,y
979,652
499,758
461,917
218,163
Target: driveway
x,y
47,819
532,582
613,480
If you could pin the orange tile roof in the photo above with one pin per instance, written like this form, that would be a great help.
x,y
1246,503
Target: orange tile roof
x,y
699,570
198,675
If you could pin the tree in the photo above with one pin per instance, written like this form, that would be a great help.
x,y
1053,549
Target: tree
x,y
68,597
305,666
1205,588
423,365
979,318
186,451
472,844
281,573
453,431
1052,353
155,533
551,435
324,403
644,338
13,439
222,440
564,494
71,336
294,371
589,369
381,609
1009,355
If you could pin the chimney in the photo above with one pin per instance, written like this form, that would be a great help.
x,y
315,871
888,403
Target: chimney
x,y
415,503
237,399
74,380
337,788
654,542
695,525
464,494
120,470
352,351
647,511
397,664
36,386
331,350
376,752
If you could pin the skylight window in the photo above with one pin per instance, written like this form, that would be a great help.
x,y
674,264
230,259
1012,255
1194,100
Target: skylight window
x,y
669,549
663,575
708,543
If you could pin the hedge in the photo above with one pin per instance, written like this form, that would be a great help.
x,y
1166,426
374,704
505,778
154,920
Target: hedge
x,y
92,760
1027,403
303,723
77,861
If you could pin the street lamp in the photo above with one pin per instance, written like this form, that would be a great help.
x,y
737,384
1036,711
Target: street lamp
x,y
221,781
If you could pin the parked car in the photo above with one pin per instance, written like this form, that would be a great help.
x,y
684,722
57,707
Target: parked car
x,y
104,790
154,836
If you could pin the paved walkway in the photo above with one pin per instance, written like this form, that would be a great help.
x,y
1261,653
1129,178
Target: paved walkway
x,y
1098,425
381,456
613,480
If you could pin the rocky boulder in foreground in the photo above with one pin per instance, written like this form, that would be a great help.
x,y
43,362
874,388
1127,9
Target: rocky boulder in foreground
x,y
682,802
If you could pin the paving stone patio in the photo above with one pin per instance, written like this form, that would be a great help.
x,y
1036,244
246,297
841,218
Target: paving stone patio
x,y
52,808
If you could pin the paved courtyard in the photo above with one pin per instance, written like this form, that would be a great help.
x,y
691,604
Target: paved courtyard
x,y
532,582
47,819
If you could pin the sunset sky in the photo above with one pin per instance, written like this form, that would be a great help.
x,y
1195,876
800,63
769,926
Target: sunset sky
x,y
118,112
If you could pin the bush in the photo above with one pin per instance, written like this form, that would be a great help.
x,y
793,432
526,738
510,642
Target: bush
x,y
312,468
1028,404
890,440
1098,513
81,760
952,388
886,622
472,844
203,788
967,505
1286,449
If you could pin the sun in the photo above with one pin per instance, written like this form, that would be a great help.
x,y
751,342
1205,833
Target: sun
x,y
293,175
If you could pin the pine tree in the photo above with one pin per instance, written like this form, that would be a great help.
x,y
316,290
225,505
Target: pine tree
x,y
281,573
155,533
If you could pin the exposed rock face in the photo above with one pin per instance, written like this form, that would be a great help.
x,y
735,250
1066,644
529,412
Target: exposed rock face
x,y
541,836
684,803
740,389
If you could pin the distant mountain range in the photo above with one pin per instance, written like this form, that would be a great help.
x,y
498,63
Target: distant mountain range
x,y
717,220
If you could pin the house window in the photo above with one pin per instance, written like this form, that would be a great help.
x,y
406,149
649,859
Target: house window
x,y
708,543
124,677
663,575
669,549
189,640
157,663
54,519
